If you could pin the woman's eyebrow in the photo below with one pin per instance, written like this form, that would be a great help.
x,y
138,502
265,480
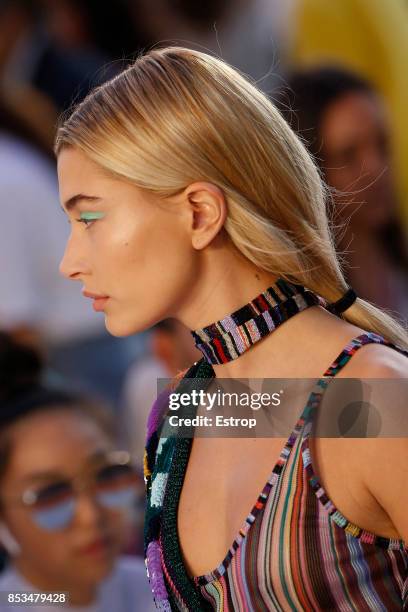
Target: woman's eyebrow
x,y
44,476
74,200
92,459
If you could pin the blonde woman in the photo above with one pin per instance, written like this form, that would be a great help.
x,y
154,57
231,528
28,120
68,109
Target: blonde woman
x,y
190,197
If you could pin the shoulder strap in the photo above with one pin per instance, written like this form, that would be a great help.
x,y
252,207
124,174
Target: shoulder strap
x,y
353,346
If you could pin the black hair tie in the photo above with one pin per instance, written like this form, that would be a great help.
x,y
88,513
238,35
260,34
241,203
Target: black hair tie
x,y
344,302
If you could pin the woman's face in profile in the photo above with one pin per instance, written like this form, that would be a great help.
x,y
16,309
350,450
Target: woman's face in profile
x,y
68,539
126,246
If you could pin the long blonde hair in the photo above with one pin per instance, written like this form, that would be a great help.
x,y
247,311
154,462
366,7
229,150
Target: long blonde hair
x,y
176,116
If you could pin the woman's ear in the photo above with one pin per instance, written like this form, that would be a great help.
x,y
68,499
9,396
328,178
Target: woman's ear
x,y
208,207
8,541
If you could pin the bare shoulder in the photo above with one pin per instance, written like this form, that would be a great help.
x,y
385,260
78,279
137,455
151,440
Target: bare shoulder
x,y
330,335
377,361
383,461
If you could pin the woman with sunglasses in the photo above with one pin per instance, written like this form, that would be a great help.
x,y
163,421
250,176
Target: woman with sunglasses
x,y
67,498
190,197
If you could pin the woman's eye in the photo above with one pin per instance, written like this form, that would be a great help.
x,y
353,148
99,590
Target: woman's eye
x,y
88,218
86,222
48,494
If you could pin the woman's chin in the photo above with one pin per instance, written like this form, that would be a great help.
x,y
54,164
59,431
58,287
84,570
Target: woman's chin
x,y
122,328
95,570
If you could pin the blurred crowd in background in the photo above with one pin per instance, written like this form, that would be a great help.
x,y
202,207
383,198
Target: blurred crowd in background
x,y
336,70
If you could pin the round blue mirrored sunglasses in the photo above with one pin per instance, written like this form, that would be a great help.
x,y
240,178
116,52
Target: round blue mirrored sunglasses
x,y
115,485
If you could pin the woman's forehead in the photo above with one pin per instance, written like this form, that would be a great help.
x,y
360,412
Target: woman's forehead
x,y
61,442
77,171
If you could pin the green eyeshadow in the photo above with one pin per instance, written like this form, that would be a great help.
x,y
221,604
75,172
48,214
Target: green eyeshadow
x,y
91,216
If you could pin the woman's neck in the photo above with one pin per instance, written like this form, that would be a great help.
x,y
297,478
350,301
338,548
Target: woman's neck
x,y
78,594
226,281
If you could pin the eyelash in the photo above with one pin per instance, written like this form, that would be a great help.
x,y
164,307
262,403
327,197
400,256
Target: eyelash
x,y
87,218
86,222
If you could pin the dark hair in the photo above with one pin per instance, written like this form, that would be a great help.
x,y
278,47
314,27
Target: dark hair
x,y
309,93
29,6
201,15
22,394
303,102
104,21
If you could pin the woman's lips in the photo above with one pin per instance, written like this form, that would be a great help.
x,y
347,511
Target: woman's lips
x,y
97,547
99,303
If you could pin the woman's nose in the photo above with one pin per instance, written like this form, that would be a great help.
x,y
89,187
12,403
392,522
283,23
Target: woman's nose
x,y
88,513
72,264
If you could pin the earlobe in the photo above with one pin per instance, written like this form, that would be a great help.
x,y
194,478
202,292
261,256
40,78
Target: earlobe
x,y
208,212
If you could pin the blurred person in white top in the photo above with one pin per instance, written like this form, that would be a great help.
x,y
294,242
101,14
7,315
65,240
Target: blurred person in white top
x,y
36,304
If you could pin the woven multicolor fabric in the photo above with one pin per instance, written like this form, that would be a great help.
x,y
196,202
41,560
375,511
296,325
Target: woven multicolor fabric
x,y
228,338
295,550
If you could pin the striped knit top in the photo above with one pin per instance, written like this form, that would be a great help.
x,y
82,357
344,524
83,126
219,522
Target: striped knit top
x,y
295,550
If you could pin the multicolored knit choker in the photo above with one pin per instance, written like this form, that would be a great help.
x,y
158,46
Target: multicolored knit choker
x,y
228,338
